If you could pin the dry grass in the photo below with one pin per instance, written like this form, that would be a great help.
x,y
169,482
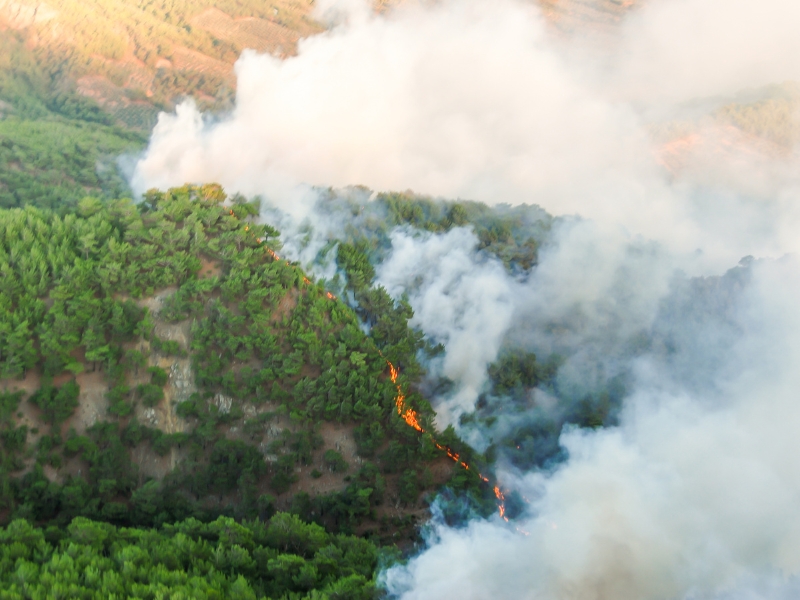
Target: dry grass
x,y
251,32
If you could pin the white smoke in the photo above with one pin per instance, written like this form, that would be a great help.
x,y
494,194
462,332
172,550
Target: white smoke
x,y
689,50
688,497
474,99
462,99
460,299
599,285
696,494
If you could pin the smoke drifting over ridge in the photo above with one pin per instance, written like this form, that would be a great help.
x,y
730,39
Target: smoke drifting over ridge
x,y
696,494
690,496
460,299
478,100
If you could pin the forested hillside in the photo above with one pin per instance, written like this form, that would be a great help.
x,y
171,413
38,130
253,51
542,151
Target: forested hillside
x,y
55,145
160,363
81,83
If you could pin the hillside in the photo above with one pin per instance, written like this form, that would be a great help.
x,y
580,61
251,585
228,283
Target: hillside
x,y
134,57
81,85
161,363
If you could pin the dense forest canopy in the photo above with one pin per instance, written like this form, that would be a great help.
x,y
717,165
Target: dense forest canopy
x,y
160,363
184,413
285,558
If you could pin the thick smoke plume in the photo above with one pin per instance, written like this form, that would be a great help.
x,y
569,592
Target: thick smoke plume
x,y
460,299
696,493
690,496
478,100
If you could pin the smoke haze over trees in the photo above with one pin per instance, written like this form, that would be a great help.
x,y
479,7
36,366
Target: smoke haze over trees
x,y
662,385
577,244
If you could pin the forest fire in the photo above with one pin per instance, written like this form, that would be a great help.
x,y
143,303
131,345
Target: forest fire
x,y
409,415
501,498
275,256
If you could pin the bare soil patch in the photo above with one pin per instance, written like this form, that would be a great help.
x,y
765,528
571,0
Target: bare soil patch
x,y
249,32
191,60
92,402
285,306
209,268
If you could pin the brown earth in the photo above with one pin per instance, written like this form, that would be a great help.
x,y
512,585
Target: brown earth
x,y
122,83
285,306
209,268
191,60
251,32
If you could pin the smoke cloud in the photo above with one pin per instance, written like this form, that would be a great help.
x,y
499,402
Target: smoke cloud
x,y
689,497
460,299
480,100
463,99
696,493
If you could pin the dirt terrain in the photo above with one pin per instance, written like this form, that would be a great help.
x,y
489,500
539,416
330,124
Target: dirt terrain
x,y
250,32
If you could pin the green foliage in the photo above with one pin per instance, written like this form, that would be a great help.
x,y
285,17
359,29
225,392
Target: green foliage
x,y
230,462
335,461
353,260
262,337
53,163
221,559
515,371
409,489
55,146
56,404
513,234
158,376
149,394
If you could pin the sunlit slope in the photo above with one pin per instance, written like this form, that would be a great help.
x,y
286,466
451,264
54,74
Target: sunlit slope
x,y
133,56
573,15
761,128
55,146
164,349
129,55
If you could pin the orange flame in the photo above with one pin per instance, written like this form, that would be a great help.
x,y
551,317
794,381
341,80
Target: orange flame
x,y
275,256
409,415
501,499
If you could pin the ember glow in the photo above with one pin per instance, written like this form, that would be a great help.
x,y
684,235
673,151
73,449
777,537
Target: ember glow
x,y
409,415
275,256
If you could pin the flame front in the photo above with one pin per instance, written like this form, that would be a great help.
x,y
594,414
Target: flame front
x,y
409,415
275,256
501,500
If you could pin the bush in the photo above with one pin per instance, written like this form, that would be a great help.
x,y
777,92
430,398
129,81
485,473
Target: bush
x,y
335,461
57,404
158,376
149,394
